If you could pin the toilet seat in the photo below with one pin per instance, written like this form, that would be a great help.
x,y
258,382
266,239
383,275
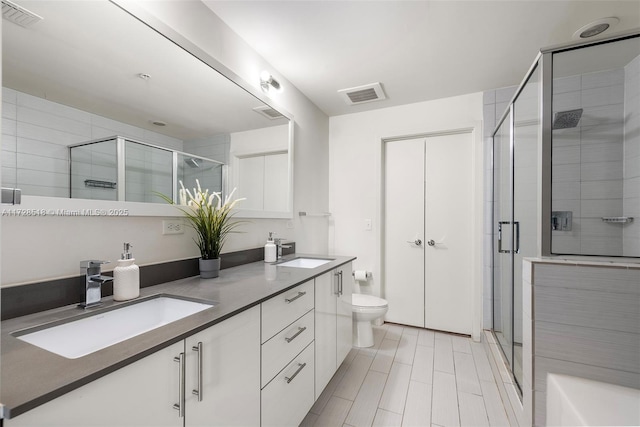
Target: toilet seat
x,y
362,300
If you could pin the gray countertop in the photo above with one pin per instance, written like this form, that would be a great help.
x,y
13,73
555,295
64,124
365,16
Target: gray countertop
x,y
31,376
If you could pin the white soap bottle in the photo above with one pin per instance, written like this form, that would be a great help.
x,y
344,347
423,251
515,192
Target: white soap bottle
x,y
270,250
126,277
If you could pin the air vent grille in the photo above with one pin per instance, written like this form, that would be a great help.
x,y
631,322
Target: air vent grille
x,y
269,112
18,15
362,94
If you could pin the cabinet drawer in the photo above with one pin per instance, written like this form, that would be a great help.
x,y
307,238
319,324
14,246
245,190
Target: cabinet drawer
x,y
281,310
279,350
288,398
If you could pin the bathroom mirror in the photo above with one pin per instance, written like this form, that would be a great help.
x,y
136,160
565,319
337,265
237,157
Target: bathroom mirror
x,y
90,70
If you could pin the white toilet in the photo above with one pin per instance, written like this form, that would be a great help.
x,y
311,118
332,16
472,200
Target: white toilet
x,y
365,309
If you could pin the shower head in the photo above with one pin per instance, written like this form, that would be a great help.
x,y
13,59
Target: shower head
x,y
566,119
191,162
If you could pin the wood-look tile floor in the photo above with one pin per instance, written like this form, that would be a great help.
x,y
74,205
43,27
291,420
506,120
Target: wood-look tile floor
x,y
412,377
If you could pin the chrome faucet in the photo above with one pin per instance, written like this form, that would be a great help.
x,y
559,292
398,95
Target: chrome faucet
x,y
94,279
279,247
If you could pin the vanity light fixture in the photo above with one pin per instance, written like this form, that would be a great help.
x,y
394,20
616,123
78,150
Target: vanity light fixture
x,y
268,83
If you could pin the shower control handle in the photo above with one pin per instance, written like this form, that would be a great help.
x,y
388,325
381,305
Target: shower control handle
x,y
416,242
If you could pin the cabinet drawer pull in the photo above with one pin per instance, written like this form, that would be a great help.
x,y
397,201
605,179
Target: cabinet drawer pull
x,y
300,368
181,385
198,391
300,330
290,300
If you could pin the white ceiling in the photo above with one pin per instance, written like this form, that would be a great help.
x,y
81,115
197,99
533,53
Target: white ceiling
x,y
418,50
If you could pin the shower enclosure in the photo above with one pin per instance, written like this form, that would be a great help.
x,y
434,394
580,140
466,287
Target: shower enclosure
x,y
119,168
566,170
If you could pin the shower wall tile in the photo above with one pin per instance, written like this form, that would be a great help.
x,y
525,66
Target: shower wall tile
x,y
603,96
569,190
565,155
504,95
602,79
598,208
565,172
9,111
38,104
605,170
589,309
609,114
54,122
608,152
489,97
606,190
566,101
567,84
489,115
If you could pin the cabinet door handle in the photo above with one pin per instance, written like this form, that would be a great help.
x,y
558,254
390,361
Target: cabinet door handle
x,y
300,330
198,391
340,287
181,385
290,300
300,368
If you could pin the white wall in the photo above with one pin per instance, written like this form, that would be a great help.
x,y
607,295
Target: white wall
x,y
46,247
355,177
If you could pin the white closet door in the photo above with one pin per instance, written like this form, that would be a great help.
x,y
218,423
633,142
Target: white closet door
x,y
427,239
404,227
448,225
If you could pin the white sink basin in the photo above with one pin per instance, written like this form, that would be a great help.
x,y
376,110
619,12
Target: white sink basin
x,y
84,336
305,262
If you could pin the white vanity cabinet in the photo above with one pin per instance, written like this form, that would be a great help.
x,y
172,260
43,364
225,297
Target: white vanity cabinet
x,y
222,384
140,394
288,356
147,392
333,323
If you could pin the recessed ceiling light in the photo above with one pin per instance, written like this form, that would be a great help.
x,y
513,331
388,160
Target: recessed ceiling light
x,y
158,122
594,28
144,76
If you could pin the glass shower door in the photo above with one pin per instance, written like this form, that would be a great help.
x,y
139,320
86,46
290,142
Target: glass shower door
x,y
516,174
503,238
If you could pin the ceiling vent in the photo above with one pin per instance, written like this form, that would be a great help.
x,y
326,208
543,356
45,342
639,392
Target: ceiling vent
x,y
268,112
361,94
18,15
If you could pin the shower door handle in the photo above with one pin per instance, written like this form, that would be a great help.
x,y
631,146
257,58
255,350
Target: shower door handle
x,y
516,243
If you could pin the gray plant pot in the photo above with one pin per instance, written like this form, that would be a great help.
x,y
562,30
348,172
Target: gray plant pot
x,y
209,268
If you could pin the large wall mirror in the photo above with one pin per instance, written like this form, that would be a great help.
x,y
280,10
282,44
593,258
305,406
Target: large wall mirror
x,y
101,110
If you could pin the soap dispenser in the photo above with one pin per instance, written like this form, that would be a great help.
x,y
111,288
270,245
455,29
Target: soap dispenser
x,y
126,277
270,250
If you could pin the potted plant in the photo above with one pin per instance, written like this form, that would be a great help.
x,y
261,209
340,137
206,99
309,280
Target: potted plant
x,y
211,218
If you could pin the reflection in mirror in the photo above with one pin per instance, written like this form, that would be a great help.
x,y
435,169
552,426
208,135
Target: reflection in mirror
x,y
596,150
90,72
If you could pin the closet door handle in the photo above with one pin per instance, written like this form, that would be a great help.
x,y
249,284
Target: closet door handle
x,y
300,330
198,391
181,385
300,368
290,300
